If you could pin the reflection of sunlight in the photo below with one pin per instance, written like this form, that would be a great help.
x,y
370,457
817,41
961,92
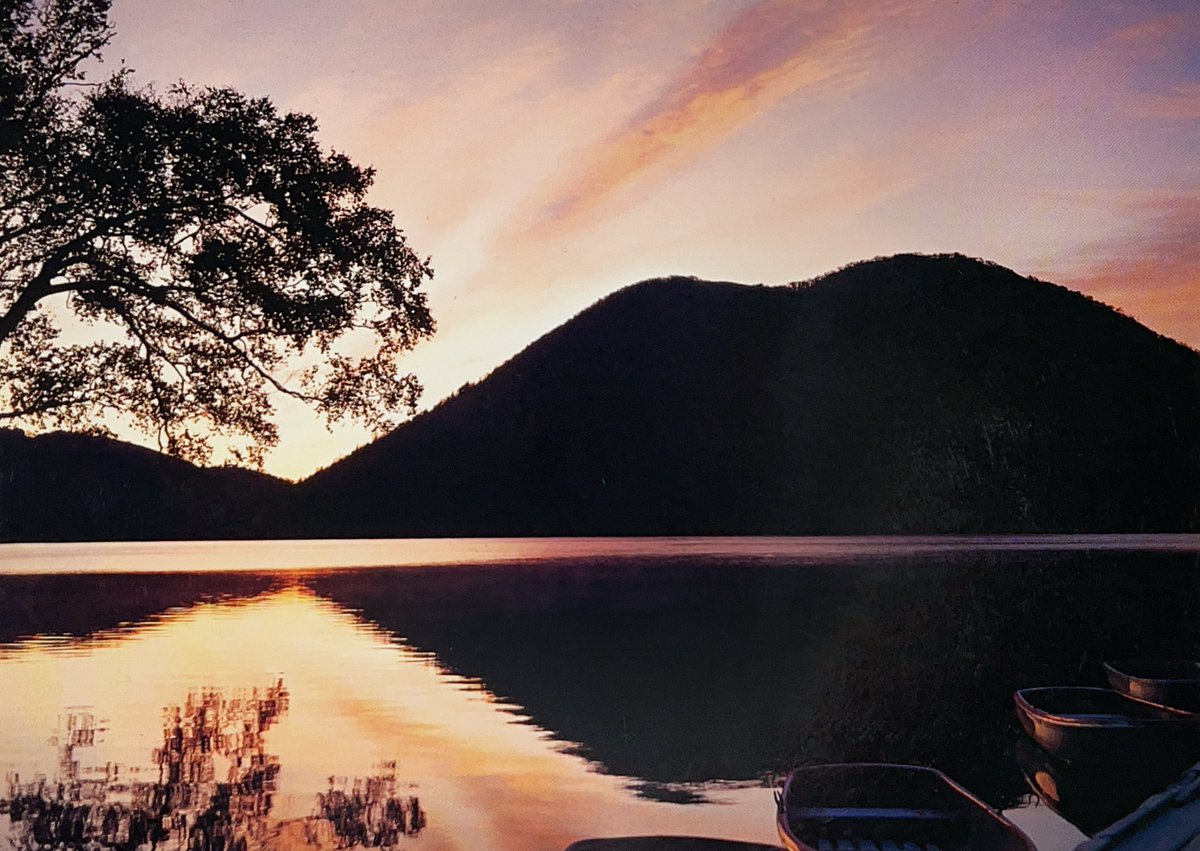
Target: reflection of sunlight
x,y
357,699
310,555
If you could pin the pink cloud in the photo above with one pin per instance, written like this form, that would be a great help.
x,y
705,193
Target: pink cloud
x,y
1152,271
1146,51
1181,103
771,50
1151,32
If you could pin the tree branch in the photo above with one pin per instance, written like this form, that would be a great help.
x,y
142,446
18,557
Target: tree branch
x,y
36,290
43,408
232,341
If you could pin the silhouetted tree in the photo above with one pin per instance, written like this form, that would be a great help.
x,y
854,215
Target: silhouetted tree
x,y
220,254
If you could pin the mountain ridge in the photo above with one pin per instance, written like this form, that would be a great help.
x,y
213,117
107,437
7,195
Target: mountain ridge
x,y
832,381
906,394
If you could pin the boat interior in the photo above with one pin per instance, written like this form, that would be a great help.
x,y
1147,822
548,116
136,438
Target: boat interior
x,y
1158,669
860,808
1098,705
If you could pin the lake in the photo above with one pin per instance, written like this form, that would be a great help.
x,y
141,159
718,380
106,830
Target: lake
x,y
522,694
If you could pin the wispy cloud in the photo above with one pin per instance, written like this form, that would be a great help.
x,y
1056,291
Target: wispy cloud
x,y
1155,54
1152,271
1151,33
1181,103
771,50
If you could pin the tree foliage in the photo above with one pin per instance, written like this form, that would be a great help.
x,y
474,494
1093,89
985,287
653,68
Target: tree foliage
x,y
219,255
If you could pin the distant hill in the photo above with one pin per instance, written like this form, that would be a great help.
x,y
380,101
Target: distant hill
x,y
72,487
900,395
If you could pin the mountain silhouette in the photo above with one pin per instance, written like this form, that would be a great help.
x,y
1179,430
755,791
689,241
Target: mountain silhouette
x,y
74,487
911,394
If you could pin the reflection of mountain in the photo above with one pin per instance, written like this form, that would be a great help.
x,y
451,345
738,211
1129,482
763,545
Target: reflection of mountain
x,y
936,653
80,605
687,672
660,671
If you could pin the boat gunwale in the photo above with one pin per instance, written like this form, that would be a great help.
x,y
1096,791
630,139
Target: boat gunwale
x,y
1175,692
1177,717
1114,666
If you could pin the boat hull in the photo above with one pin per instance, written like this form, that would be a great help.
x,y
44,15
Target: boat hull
x,y
1090,797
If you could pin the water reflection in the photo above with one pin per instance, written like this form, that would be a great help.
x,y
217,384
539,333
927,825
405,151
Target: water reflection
x,y
82,606
214,789
212,792
538,703
356,700
700,672
370,812
206,812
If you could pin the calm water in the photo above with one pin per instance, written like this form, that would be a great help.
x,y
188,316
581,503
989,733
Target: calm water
x,y
524,694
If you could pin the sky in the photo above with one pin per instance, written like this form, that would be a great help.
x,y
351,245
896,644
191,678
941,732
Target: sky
x,y
545,153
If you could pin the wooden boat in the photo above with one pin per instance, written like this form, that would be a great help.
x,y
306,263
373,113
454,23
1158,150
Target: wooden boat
x,y
1167,682
1098,725
1090,797
666,843
882,807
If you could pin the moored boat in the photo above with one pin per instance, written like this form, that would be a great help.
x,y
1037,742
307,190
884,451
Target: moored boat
x,y
1102,726
1090,797
884,807
1167,682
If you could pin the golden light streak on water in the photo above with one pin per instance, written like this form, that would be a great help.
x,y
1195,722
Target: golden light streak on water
x,y
357,699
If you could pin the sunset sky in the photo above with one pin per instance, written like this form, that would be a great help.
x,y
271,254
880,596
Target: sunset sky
x,y
548,152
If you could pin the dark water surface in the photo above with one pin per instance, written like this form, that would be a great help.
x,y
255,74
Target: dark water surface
x,y
521,695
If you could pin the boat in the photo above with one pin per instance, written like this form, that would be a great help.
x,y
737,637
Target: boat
x,y
666,843
885,807
1167,682
1090,797
1101,726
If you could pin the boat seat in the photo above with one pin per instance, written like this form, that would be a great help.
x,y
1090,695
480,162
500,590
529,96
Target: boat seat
x,y
1100,717
871,845
831,813
887,826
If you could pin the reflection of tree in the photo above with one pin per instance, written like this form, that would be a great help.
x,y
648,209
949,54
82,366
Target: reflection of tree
x,y
369,812
210,727
214,789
